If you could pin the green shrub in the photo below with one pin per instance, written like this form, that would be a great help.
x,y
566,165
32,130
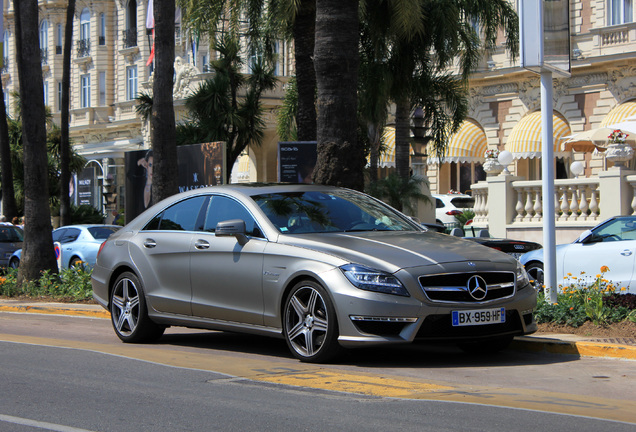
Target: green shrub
x,y
73,284
86,214
582,298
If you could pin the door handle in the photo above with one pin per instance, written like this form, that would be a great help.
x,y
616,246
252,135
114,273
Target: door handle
x,y
201,244
149,243
626,252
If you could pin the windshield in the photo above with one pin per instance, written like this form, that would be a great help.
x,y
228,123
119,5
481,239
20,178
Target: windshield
x,y
102,232
342,210
10,234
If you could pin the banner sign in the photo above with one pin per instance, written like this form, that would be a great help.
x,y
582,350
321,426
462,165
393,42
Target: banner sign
x,y
200,165
296,161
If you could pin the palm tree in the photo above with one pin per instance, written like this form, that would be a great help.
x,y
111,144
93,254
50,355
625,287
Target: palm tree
x,y
216,111
37,253
425,37
9,206
163,129
340,158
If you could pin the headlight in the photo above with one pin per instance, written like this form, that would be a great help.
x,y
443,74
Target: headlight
x,y
369,279
522,276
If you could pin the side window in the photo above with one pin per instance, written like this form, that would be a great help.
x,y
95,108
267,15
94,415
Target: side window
x,y
70,235
223,208
57,234
439,203
182,216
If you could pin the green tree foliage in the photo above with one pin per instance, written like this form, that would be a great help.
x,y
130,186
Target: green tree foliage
x,y
228,106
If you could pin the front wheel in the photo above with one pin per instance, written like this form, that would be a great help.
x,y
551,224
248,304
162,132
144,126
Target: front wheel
x,y
535,272
129,313
309,323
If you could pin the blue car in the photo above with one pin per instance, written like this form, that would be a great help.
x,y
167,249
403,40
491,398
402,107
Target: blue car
x,y
11,238
79,244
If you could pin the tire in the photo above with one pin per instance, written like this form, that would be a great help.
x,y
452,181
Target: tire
x,y
14,263
535,271
310,326
129,313
75,262
488,346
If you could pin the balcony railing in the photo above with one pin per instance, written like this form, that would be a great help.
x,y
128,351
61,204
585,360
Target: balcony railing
x,y
507,203
130,38
83,48
44,56
5,64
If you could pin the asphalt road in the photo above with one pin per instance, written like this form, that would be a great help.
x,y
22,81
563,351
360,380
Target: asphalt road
x,y
60,373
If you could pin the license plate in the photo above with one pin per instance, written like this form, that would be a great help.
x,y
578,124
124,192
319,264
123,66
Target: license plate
x,y
478,317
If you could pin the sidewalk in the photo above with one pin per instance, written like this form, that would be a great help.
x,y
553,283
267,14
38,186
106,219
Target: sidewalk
x,y
623,348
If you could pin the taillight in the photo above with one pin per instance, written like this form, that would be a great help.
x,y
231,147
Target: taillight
x,y
101,246
453,212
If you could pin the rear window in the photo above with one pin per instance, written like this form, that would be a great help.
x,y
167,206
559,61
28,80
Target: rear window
x,y
460,202
10,234
102,233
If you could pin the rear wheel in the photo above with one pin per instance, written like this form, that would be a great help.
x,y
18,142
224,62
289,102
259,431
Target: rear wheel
x,y
129,313
309,323
76,262
535,272
14,263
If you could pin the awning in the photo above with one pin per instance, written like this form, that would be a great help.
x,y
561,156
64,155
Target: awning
x,y
620,113
468,144
387,157
525,139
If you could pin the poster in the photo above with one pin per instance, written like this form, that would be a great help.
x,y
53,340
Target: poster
x,y
296,161
199,165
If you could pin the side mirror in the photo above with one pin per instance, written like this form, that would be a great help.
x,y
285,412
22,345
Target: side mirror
x,y
232,228
586,236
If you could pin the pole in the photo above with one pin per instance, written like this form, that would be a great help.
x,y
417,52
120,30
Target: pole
x,y
547,169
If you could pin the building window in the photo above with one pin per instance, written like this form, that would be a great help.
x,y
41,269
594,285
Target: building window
x,y
59,39
102,88
6,103
85,95
44,41
131,82
620,12
59,95
102,29
46,93
5,52
84,42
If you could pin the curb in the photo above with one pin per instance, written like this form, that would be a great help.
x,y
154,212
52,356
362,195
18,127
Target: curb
x,y
537,344
57,309
579,348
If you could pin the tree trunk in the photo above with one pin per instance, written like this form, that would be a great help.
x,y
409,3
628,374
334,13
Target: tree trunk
x,y
374,151
163,132
340,157
37,251
402,138
9,206
304,40
65,145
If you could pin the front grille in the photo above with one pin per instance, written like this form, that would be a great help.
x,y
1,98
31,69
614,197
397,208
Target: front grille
x,y
437,327
453,287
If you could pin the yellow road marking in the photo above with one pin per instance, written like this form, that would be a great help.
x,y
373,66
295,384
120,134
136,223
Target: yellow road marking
x,y
287,372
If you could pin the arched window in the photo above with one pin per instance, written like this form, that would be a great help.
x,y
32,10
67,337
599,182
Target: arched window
x,y
5,45
44,35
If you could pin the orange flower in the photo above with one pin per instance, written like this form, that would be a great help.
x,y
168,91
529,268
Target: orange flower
x,y
605,269
572,308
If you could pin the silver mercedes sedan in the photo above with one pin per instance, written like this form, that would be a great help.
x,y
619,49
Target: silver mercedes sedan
x,y
325,268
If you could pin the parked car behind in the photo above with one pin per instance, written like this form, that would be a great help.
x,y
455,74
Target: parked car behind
x,y
80,244
447,206
11,238
515,248
322,267
611,243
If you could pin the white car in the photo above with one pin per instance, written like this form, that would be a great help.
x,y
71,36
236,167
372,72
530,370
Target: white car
x,y
611,243
449,205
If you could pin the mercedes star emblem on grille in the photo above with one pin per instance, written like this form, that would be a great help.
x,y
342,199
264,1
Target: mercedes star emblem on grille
x,y
477,287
